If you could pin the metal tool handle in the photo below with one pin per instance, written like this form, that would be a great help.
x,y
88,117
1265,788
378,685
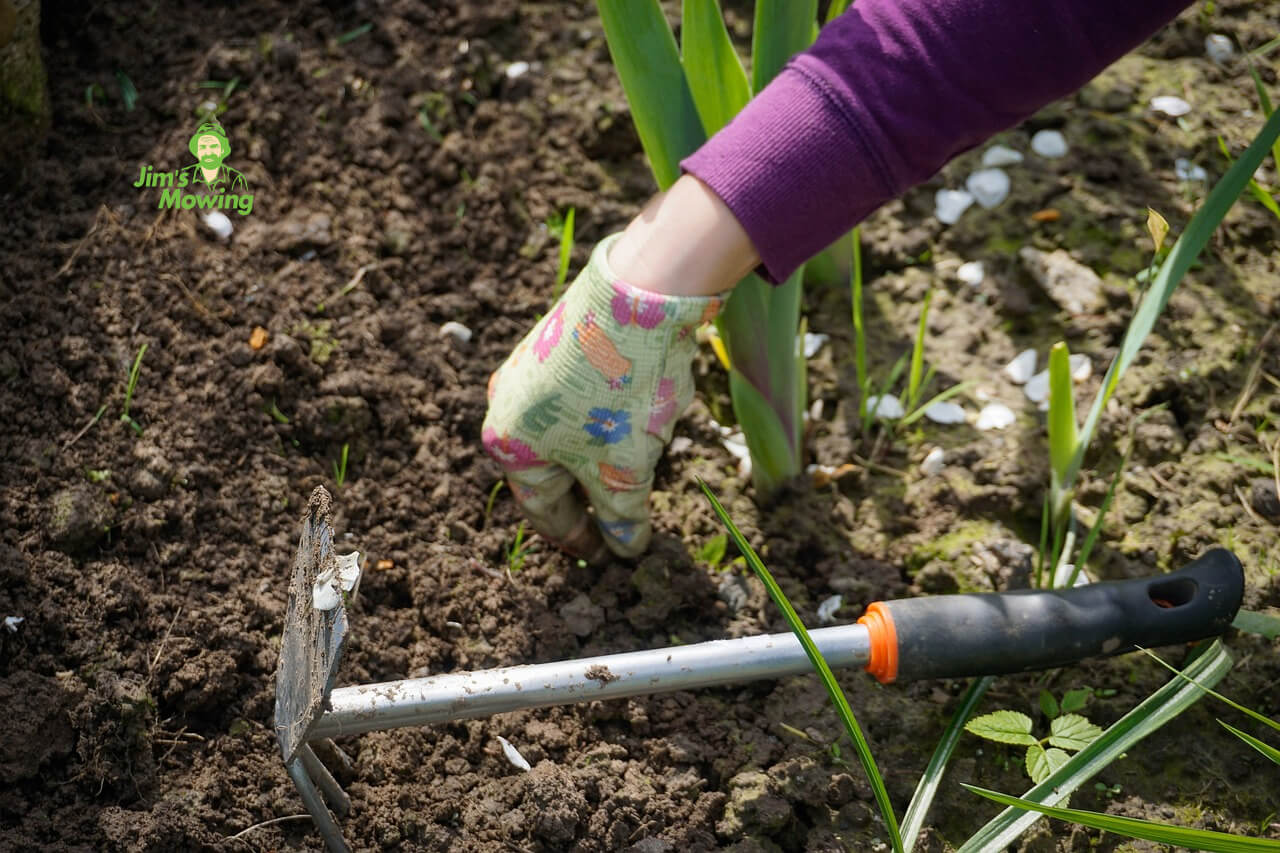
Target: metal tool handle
x,y
949,636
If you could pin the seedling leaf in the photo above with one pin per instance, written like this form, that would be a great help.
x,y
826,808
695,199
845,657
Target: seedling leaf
x,y
1074,700
1048,704
1042,762
1072,731
1157,227
1265,748
1257,623
1003,727
712,553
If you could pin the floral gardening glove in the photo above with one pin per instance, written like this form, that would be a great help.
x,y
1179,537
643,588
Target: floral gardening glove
x,y
590,396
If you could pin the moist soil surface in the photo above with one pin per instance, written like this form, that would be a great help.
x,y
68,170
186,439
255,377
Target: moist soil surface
x,y
403,173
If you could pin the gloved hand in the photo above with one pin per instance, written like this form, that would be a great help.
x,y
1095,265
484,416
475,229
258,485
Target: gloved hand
x,y
590,397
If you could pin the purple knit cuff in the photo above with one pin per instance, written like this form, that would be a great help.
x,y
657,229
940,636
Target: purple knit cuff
x,y
791,154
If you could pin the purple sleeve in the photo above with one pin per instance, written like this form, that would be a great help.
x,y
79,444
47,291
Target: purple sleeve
x,y
893,89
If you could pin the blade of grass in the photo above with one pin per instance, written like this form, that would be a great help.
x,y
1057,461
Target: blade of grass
x,y
1257,623
1175,266
782,29
648,64
1154,711
133,382
1063,433
1264,101
836,9
941,397
128,92
927,788
917,353
352,35
1265,748
1196,839
566,252
1249,712
819,663
716,79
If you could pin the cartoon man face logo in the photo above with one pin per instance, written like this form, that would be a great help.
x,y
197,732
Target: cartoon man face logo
x,y
210,146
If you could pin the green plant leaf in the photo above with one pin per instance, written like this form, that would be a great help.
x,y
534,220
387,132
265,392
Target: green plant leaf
x,y
1063,436
1003,727
819,663
1249,712
1185,250
1257,623
1154,711
927,787
648,65
1196,839
917,354
712,553
836,9
1265,748
716,79
1072,731
1074,700
782,29
1048,704
1042,762
1157,227
911,417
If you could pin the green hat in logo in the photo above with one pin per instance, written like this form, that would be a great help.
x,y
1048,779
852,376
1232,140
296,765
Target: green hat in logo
x,y
209,145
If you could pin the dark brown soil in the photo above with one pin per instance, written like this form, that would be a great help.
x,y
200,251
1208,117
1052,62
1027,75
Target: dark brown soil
x,y
151,568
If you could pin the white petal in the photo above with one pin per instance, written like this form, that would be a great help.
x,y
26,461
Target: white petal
x,y
989,187
456,330
1049,144
886,406
813,342
1037,387
680,444
995,416
1185,170
513,755
945,412
1170,105
1218,47
1063,574
11,623
949,204
1081,367
1001,155
349,570
517,69
1022,368
218,223
933,463
827,609
324,596
971,273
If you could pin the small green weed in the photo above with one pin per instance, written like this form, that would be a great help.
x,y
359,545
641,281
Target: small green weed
x,y
712,553
129,389
517,551
340,467
563,229
1068,731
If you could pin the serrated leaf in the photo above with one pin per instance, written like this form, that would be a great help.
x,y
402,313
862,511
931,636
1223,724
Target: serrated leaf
x,y
1074,700
1048,704
1072,731
1042,762
1003,727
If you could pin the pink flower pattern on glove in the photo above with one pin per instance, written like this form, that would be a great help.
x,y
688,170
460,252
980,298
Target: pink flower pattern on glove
x,y
550,334
644,309
511,453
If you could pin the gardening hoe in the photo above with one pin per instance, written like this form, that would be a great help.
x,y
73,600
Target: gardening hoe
x,y
946,636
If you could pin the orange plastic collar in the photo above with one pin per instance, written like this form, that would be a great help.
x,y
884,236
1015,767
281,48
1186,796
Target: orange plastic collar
x,y
884,642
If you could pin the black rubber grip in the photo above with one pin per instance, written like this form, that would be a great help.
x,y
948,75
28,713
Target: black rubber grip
x,y
949,636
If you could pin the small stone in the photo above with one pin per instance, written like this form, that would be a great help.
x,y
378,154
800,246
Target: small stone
x,y
734,592
1218,47
1262,494
1050,144
1037,387
679,444
1071,284
582,616
455,330
1022,368
258,338
517,69
885,406
950,204
989,187
1001,155
513,755
78,517
1185,170
11,623
971,273
1081,367
995,416
1170,105
217,222
945,412
813,342
827,609
933,462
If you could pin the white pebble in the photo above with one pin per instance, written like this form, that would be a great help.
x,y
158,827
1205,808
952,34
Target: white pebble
x,y
513,755
827,609
1170,105
813,342
1037,387
989,187
517,69
1081,367
1185,170
1050,144
207,107
1022,368
456,330
945,412
972,273
995,416
886,406
1001,155
950,204
1218,47
933,463
11,623
218,223
680,444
